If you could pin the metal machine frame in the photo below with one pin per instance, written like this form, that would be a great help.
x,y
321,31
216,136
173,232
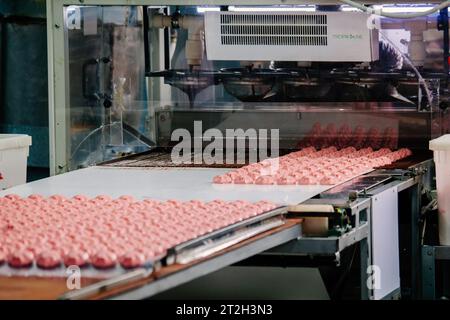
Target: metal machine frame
x,y
333,246
57,69
321,246
432,256
293,244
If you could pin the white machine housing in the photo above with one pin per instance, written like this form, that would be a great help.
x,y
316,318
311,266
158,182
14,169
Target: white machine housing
x,y
385,273
296,36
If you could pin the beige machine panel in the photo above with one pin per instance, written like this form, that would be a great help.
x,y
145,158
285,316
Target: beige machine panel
x,y
298,36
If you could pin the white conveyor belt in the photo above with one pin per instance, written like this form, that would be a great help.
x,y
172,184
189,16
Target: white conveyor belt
x,y
162,184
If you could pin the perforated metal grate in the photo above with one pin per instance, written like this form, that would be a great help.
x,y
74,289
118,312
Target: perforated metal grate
x,y
274,29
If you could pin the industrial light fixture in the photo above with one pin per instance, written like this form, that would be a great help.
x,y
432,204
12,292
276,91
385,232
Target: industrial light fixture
x,y
399,8
404,8
305,8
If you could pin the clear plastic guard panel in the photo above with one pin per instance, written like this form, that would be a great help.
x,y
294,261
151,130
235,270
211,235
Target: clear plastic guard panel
x,y
94,139
106,77
115,108
299,125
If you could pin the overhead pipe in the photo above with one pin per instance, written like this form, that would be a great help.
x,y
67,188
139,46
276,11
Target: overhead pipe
x,y
195,27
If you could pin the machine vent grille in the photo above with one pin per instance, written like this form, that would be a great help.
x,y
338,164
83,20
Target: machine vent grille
x,y
274,29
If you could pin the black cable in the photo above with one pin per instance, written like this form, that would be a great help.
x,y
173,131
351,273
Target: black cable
x,y
340,283
147,66
166,44
443,26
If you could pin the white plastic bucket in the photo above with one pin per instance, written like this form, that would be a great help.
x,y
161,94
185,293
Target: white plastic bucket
x,y
14,151
441,150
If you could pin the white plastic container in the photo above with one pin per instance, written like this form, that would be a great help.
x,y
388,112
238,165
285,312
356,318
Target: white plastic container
x,y
14,151
441,150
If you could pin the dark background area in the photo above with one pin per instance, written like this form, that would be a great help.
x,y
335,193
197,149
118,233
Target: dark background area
x,y
23,78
